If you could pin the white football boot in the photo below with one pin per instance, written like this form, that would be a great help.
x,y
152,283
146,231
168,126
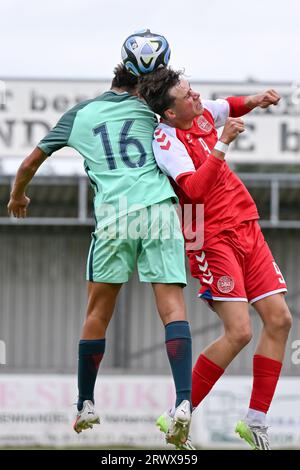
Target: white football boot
x,y
176,426
86,417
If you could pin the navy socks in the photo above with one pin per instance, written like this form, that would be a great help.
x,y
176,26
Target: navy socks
x,y
179,350
90,353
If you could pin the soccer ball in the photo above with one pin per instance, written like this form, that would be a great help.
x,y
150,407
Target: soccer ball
x,y
143,52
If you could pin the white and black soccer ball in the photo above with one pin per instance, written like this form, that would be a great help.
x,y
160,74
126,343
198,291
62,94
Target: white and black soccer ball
x,y
143,52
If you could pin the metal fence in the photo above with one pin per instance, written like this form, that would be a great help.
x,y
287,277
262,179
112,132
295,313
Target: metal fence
x,y
68,200
43,297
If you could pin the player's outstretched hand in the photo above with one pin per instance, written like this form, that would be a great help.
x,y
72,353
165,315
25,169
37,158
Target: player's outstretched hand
x,y
265,99
233,127
18,206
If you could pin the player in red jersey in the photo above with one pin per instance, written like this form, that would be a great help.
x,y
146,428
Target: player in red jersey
x,y
234,265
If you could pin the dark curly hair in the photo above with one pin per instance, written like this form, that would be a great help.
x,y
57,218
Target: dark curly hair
x,y
123,78
154,88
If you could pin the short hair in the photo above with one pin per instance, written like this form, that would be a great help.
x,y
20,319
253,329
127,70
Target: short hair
x,y
123,78
154,88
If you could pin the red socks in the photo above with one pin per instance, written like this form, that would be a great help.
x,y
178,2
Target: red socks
x,y
205,375
266,373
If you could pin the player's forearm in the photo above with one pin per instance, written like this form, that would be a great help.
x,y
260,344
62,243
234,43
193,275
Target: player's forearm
x,y
251,101
26,172
23,178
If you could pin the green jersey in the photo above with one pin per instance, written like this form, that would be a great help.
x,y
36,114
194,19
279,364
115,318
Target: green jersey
x,y
113,133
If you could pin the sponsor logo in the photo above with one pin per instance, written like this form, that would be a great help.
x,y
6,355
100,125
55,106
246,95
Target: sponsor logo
x,y
225,284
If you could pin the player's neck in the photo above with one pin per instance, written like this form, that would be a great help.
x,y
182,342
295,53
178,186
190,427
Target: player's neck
x,y
131,91
179,123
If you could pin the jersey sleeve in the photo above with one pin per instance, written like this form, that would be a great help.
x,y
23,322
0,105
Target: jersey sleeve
x,y
58,137
219,109
237,106
197,185
170,153
173,159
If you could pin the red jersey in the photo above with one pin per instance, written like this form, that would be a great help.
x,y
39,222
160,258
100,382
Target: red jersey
x,y
182,153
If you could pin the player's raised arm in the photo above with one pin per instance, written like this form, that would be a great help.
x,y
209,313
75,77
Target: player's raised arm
x,y
18,202
263,100
241,105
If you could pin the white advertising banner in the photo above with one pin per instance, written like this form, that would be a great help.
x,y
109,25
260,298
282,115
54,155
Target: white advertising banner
x,y
38,410
29,108
228,402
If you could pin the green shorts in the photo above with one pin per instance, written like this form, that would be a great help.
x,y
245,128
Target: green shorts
x,y
149,238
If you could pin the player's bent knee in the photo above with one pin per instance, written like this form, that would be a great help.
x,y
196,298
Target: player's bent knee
x,y
240,337
96,323
280,321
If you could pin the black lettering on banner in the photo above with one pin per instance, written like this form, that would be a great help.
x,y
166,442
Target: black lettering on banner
x,y
61,104
38,102
290,139
5,95
6,132
31,127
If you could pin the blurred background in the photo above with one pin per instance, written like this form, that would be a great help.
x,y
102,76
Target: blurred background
x,y
53,56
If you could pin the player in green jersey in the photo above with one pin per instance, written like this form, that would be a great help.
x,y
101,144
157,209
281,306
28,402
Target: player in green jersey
x,y
113,133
